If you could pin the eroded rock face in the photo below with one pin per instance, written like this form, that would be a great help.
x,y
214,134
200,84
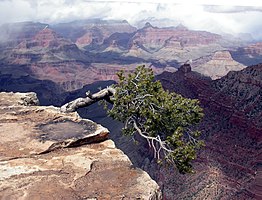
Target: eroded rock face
x,y
229,166
220,64
78,53
180,43
44,38
45,154
96,33
254,49
93,31
248,55
14,33
49,56
150,35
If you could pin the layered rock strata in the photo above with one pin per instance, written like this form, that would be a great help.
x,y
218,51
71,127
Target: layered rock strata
x,y
254,49
219,65
229,167
169,44
248,55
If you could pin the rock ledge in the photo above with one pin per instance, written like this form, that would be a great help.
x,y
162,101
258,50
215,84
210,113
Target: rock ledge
x,y
45,154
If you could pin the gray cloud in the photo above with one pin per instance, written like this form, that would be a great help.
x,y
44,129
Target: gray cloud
x,y
229,19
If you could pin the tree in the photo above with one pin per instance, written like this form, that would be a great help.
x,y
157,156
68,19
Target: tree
x,y
164,119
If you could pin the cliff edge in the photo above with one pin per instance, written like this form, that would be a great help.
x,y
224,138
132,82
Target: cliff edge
x,y
46,154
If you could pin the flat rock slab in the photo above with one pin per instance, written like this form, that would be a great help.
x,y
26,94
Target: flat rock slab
x,y
95,171
33,130
46,154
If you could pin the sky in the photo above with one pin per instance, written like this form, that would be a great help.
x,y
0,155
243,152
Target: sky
x,y
218,16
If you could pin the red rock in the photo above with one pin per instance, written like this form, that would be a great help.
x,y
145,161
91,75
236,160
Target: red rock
x,y
86,39
153,36
96,33
228,166
44,38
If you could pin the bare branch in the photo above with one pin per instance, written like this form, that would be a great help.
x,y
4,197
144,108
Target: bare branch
x,y
153,145
104,94
157,139
191,138
142,97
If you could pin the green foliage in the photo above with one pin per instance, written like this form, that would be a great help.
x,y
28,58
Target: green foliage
x,y
159,114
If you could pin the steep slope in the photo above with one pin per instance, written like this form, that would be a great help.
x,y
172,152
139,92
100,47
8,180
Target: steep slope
x,y
20,81
62,156
171,43
169,46
220,64
245,89
49,56
249,55
46,38
45,46
50,52
184,81
43,55
228,167
14,33
92,31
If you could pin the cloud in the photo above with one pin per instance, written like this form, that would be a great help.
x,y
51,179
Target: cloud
x,y
216,16
231,9
12,12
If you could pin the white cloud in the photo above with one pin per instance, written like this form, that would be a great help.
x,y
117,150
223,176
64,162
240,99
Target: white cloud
x,y
231,9
197,14
11,12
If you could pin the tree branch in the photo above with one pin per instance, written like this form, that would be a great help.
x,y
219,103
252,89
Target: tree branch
x,y
162,144
104,94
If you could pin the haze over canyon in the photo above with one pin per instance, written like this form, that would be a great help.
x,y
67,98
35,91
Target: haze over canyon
x,y
62,55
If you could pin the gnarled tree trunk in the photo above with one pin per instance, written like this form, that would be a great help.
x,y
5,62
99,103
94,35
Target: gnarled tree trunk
x,y
104,94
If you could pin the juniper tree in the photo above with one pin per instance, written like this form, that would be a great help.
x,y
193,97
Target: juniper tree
x,y
164,119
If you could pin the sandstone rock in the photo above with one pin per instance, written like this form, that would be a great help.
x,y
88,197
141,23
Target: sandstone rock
x,y
15,99
30,99
45,154
49,56
150,35
220,64
172,44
